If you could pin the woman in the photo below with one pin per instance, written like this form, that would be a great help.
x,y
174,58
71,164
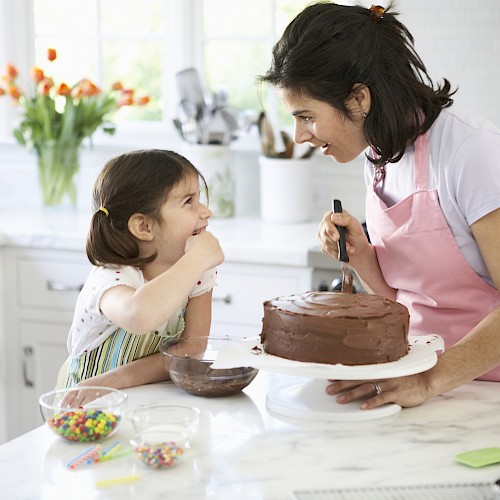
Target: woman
x,y
353,82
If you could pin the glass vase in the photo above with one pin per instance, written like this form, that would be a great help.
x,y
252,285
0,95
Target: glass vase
x,y
57,166
213,161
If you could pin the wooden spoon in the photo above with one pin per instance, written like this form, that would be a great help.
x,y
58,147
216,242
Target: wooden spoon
x,y
266,136
289,145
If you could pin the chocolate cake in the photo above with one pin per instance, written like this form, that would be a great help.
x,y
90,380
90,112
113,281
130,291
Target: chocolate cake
x,y
335,327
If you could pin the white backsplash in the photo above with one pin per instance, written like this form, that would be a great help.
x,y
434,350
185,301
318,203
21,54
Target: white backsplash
x,y
19,182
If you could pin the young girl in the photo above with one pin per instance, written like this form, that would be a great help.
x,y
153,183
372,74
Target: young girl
x,y
153,271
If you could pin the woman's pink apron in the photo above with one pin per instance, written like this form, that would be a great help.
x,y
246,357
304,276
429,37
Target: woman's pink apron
x,y
419,257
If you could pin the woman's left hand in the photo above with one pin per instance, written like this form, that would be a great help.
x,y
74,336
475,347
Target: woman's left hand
x,y
404,391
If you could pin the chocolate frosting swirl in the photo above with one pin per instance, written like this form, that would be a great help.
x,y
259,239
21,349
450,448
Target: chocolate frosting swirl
x,y
335,327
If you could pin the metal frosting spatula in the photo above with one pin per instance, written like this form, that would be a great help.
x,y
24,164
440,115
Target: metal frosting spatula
x,y
347,276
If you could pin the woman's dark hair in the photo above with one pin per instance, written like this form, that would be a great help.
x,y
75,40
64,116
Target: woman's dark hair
x,y
328,49
135,182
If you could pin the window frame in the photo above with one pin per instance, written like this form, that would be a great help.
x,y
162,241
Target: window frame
x,y
183,47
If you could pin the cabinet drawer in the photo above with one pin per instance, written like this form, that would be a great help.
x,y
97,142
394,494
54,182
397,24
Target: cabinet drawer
x,y
238,298
47,283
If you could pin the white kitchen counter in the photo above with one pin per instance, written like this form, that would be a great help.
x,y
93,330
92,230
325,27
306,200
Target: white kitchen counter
x,y
39,246
247,240
243,452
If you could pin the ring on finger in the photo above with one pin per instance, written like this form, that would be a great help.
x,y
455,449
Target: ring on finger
x,y
378,389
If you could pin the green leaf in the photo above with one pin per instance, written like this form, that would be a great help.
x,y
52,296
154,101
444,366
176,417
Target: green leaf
x,y
19,136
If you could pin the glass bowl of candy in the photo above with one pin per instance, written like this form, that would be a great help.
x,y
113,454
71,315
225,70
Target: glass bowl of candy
x,y
189,361
163,433
83,414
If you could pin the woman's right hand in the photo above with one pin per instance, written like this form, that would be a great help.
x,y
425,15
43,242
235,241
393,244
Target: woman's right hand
x,y
362,255
207,246
328,236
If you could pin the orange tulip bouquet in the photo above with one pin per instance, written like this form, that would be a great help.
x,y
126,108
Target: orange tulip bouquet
x,y
56,118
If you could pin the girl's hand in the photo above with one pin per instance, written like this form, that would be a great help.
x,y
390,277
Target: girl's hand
x,y
328,236
77,399
207,246
407,391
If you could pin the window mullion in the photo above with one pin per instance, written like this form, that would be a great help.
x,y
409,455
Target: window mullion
x,y
182,37
16,47
98,42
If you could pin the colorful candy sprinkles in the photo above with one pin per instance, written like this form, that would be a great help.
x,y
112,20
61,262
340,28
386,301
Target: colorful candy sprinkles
x,y
159,455
84,425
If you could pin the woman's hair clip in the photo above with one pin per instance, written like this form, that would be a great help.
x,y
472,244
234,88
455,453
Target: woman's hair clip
x,y
104,210
377,12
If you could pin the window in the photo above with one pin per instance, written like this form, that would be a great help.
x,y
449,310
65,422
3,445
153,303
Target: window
x,y
143,43
238,36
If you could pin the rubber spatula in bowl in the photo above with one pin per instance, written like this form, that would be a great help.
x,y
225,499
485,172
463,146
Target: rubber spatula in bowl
x,y
347,277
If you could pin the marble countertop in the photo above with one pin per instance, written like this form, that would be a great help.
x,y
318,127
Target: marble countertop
x,y
242,451
247,240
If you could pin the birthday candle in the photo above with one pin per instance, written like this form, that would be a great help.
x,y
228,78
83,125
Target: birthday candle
x,y
78,457
116,454
86,458
118,480
109,451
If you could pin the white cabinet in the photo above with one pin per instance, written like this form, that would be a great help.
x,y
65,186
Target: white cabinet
x,y
241,290
40,292
43,350
40,289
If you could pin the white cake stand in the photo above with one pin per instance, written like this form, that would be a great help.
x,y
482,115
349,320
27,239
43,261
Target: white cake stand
x,y
307,400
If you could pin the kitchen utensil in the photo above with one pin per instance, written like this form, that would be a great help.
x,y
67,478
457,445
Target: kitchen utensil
x,y
289,145
266,136
191,90
178,125
309,152
194,110
204,118
336,286
280,145
230,116
217,128
191,128
347,276
480,457
246,120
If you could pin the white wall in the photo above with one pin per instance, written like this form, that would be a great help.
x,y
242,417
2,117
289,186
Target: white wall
x,y
459,40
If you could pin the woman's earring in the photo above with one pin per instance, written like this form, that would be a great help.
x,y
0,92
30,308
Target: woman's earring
x,y
364,114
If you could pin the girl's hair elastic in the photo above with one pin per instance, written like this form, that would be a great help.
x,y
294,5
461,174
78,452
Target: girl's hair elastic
x,y
377,11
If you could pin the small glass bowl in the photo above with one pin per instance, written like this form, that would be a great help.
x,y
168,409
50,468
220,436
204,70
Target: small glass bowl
x,y
85,414
188,362
163,433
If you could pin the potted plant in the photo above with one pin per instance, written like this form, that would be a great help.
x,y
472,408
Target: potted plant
x,y
54,120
